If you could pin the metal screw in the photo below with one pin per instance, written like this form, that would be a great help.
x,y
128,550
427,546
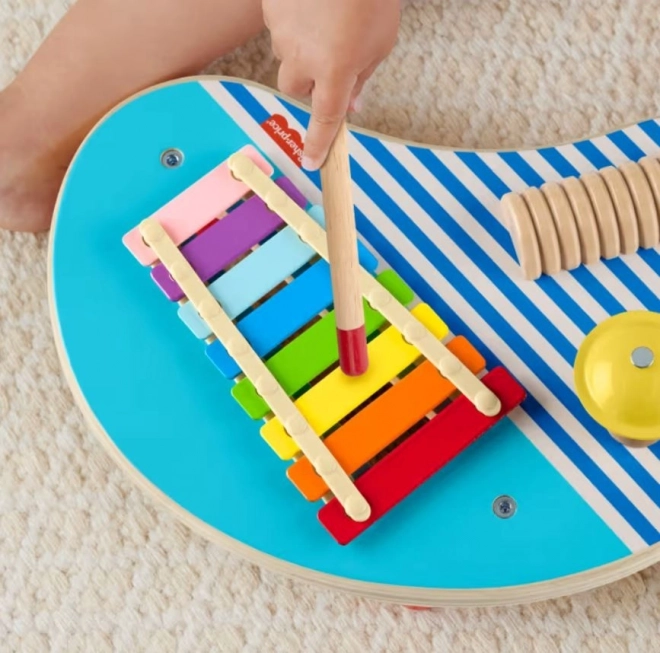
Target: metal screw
x,y
504,507
171,158
642,357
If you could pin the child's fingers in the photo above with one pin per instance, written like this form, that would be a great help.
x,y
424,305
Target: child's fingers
x,y
330,101
293,81
362,79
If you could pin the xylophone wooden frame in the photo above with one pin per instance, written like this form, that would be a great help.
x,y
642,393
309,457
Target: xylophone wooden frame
x,y
410,596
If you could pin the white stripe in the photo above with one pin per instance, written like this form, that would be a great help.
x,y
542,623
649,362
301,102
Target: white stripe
x,y
654,146
580,162
610,150
540,166
640,138
503,171
642,270
616,287
248,124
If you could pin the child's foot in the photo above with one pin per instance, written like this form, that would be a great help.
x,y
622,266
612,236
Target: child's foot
x,y
31,172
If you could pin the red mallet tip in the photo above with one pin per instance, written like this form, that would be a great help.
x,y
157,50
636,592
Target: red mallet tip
x,y
353,356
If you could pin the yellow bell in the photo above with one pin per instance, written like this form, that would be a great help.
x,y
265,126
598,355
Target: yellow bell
x,y
617,376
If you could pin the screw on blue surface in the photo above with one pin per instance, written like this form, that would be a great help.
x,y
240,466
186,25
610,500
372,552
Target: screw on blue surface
x,y
504,507
172,158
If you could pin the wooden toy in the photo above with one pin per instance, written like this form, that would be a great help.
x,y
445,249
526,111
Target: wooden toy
x,y
343,256
579,220
500,446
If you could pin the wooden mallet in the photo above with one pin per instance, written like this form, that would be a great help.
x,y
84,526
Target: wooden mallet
x,y
343,256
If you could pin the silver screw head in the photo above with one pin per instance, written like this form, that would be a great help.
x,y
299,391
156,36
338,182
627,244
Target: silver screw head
x,y
642,357
504,507
171,158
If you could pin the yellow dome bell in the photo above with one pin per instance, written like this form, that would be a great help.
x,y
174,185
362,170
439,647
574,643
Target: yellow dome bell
x,y
617,376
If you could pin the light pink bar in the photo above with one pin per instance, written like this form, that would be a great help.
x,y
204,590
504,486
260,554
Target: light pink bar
x,y
195,207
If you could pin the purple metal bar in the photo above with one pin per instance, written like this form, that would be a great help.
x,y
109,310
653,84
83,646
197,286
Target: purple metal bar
x,y
227,240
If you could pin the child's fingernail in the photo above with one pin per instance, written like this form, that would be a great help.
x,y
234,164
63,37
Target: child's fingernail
x,y
309,163
358,104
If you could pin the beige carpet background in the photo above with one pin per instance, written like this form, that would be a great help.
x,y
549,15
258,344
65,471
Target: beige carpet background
x,y
88,563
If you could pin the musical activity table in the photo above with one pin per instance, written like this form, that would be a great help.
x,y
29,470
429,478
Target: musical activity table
x,y
191,302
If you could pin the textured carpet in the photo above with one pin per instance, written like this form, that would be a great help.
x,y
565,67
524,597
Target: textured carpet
x,y
88,563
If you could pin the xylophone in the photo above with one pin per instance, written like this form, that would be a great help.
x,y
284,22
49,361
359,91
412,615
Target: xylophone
x,y
254,309
192,305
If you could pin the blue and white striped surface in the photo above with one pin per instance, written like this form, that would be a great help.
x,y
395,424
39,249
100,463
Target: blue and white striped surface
x,y
433,215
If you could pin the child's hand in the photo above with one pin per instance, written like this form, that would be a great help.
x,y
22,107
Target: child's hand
x,y
328,49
